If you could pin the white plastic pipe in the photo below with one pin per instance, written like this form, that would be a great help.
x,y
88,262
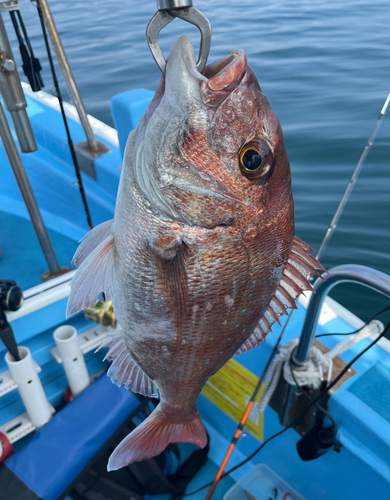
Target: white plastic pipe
x,y
72,358
24,373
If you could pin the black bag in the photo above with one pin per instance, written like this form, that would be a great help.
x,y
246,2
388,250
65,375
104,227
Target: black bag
x,y
94,486
149,474
153,476
139,478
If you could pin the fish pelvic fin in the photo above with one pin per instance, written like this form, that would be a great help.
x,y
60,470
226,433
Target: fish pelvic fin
x,y
154,434
293,283
124,371
95,259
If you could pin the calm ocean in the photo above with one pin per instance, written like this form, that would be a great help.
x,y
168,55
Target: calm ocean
x,y
325,68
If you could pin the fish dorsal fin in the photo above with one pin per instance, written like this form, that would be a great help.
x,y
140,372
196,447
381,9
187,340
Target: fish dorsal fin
x,y
124,370
293,282
95,258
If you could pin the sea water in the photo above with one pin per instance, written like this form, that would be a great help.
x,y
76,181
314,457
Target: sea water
x,y
323,65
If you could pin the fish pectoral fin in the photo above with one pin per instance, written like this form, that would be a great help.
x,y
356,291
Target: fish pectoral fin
x,y
294,281
124,370
95,258
166,245
91,240
169,260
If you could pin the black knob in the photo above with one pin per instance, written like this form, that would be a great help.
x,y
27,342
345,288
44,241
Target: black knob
x,y
11,296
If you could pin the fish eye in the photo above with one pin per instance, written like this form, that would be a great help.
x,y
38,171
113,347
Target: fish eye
x,y
256,159
251,159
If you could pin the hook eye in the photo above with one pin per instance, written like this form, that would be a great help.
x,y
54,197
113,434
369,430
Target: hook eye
x,y
191,15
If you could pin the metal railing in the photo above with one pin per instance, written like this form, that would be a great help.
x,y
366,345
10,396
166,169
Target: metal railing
x,y
349,273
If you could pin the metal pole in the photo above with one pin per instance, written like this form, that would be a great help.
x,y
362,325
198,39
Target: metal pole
x,y
13,96
27,194
68,75
173,4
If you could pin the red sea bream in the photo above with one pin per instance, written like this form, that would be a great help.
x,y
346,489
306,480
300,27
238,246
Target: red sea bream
x,y
201,258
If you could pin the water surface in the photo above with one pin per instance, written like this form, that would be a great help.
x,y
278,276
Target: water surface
x,y
325,68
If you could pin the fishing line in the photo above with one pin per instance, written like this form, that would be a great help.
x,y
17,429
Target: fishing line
x,y
359,329
61,103
298,418
243,420
315,400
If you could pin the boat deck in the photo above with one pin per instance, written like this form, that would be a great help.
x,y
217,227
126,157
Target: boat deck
x,y
51,174
21,257
360,407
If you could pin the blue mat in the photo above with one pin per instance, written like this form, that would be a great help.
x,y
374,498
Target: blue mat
x,y
57,454
373,388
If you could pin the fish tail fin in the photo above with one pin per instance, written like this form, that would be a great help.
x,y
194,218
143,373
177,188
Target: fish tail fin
x,y
154,434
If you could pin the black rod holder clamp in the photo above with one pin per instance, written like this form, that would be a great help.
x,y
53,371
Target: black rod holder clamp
x,y
11,299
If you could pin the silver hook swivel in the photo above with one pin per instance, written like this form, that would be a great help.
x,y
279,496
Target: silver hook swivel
x,y
167,11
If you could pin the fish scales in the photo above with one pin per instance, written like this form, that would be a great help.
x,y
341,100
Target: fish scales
x,y
196,254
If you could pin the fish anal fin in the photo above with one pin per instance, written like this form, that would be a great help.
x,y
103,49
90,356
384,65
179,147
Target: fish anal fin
x,y
124,371
292,284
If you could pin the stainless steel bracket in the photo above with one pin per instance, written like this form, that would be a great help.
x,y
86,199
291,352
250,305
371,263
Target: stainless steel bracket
x,y
9,5
182,9
86,157
12,94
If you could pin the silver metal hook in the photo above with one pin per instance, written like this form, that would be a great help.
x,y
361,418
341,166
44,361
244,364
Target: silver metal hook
x,y
168,11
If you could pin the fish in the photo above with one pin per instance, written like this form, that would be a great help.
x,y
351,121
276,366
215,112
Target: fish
x,y
201,258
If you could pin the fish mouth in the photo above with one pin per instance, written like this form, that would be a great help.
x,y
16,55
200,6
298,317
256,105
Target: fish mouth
x,y
219,78
178,114
183,54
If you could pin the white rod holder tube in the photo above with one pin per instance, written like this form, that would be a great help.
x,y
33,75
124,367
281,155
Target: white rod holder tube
x,y
24,372
72,358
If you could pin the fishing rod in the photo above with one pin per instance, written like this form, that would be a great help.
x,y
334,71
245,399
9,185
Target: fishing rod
x,y
11,299
64,118
299,417
328,235
243,420
31,65
333,225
